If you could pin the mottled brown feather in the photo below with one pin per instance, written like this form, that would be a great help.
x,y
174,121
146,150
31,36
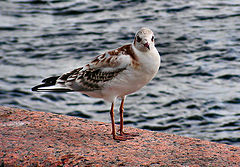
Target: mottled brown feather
x,y
91,77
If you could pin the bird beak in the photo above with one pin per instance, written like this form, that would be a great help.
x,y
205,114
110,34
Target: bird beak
x,y
147,45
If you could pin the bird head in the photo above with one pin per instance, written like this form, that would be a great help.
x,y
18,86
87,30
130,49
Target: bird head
x,y
144,40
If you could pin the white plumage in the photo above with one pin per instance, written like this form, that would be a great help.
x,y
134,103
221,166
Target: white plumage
x,y
112,75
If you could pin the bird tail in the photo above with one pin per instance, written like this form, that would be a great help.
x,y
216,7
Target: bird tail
x,y
49,85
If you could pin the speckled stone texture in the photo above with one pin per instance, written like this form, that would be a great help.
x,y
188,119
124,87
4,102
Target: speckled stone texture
x,y
31,138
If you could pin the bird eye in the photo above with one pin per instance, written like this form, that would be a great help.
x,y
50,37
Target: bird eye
x,y
152,38
138,39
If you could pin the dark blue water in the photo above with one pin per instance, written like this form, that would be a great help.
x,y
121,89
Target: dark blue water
x,y
196,92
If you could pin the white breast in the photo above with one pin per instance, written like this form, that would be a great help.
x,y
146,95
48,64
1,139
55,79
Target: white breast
x,y
131,79
150,62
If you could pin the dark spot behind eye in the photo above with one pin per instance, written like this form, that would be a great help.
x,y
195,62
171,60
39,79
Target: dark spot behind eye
x,y
138,39
152,38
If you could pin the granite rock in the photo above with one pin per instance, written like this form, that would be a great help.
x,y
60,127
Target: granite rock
x,y
32,138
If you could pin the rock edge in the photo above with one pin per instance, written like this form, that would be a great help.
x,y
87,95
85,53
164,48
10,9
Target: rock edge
x,y
32,138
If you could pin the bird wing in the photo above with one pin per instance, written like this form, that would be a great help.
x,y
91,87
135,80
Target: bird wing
x,y
101,70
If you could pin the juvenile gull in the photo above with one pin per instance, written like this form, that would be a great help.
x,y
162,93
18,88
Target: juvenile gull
x,y
111,75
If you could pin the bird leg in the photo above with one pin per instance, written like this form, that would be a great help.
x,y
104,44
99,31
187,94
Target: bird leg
x,y
121,116
115,137
122,133
113,121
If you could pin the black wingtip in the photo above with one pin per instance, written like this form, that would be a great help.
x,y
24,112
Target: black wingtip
x,y
46,82
35,88
50,80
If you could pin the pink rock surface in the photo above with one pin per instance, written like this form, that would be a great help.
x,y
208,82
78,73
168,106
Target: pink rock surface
x,y
31,138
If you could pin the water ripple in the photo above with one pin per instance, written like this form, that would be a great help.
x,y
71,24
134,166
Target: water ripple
x,y
196,92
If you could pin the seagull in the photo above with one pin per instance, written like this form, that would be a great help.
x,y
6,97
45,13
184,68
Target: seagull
x,y
112,75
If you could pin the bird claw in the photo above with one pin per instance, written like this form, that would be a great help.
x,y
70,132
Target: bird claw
x,y
129,134
122,138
